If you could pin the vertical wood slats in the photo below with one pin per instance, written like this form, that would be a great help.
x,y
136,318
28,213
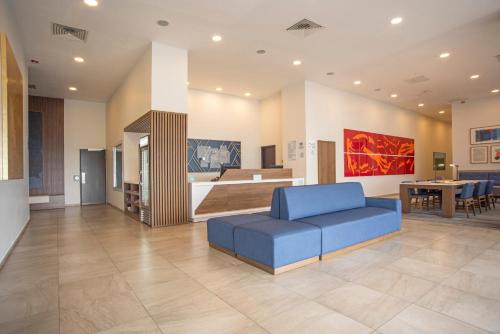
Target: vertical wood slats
x,y
169,187
52,144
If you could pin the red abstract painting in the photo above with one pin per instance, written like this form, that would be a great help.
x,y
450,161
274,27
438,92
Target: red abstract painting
x,y
371,154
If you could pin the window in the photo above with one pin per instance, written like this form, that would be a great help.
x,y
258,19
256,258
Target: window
x,y
117,167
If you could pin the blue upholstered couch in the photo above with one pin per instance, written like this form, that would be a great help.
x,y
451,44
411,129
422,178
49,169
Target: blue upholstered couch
x,y
304,223
493,175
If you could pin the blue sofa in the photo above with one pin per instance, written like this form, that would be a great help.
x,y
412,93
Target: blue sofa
x,y
304,224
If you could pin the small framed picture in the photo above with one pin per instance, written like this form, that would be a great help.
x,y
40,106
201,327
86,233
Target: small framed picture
x,y
485,135
495,154
479,155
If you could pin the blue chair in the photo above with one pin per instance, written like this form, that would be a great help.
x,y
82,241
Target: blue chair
x,y
479,194
466,198
490,198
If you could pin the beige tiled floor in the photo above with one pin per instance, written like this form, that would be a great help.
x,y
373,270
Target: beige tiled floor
x,y
94,270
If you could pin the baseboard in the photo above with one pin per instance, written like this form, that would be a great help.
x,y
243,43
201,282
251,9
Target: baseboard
x,y
13,245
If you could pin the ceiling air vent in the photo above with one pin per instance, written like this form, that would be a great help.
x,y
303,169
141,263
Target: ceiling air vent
x,y
72,32
417,79
305,27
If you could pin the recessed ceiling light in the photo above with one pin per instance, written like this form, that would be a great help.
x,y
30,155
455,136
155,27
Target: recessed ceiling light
x,y
71,88
420,105
162,23
248,94
297,62
442,112
495,90
474,76
91,3
261,52
397,20
187,83
444,55
79,59
394,95
357,82
219,89
216,38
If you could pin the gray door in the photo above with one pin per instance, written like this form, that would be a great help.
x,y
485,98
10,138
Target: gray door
x,y
92,177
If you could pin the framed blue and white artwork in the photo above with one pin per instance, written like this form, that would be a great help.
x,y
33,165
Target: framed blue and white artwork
x,y
207,155
485,135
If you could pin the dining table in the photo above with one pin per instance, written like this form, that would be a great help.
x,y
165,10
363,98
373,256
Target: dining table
x,y
448,190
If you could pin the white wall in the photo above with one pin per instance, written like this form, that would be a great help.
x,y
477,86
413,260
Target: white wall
x,y
225,117
329,111
14,207
84,127
293,126
270,124
130,101
169,78
473,114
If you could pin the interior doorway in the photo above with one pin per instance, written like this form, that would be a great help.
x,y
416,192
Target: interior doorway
x,y
268,156
326,162
92,176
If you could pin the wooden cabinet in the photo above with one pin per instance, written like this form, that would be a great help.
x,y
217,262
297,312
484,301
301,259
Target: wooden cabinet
x,y
131,196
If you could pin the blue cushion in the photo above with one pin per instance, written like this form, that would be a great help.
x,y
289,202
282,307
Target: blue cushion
x,y
276,243
220,230
275,203
313,200
346,228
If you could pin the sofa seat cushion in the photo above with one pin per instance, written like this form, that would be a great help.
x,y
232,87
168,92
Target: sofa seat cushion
x,y
220,230
346,228
313,200
276,243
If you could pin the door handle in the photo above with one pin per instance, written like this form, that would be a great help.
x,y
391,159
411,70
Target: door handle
x,y
83,177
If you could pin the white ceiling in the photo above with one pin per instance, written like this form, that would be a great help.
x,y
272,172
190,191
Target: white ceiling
x,y
358,43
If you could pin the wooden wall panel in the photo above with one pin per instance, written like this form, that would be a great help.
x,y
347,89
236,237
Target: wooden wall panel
x,y
53,144
169,184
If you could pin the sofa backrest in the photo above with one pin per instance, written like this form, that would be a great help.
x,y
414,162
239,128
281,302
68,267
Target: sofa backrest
x,y
305,201
493,175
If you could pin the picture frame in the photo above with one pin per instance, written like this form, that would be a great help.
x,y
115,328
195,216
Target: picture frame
x,y
485,135
495,154
479,155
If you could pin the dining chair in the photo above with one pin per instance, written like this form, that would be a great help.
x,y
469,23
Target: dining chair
x,y
415,193
490,198
466,198
479,195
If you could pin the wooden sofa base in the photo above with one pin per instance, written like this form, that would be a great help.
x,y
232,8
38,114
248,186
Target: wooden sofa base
x,y
292,266
222,249
358,246
279,270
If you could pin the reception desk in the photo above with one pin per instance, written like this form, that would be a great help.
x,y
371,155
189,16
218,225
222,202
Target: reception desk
x,y
237,191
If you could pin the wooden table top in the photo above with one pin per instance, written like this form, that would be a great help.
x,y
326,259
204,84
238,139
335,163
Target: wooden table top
x,y
439,182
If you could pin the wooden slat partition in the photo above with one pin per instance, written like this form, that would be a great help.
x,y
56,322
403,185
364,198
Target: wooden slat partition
x,y
169,186
141,125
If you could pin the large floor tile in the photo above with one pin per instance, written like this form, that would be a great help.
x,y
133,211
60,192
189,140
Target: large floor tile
x,y
394,248
311,317
473,309
370,307
396,284
421,269
97,304
418,320
40,323
258,298
141,326
434,256
482,285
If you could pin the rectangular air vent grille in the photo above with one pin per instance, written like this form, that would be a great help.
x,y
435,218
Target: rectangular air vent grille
x,y
417,79
305,27
62,30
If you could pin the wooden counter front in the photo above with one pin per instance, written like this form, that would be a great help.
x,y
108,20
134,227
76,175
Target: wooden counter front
x,y
222,198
